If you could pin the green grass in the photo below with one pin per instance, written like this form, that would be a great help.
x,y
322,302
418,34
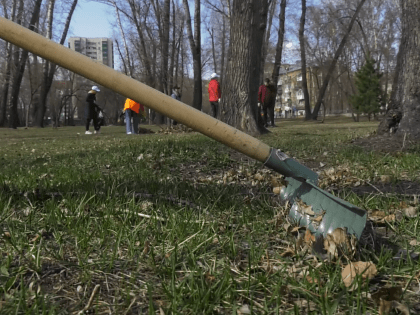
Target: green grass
x,y
210,237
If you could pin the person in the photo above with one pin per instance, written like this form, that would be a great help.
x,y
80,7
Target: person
x,y
91,110
176,94
132,111
267,100
215,94
294,111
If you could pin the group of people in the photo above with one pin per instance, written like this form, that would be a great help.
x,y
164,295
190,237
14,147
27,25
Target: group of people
x,y
94,113
133,109
266,99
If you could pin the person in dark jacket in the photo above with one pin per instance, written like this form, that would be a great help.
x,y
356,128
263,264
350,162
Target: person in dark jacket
x,y
267,100
176,94
91,110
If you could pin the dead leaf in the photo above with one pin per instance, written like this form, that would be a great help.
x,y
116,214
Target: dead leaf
x,y
366,269
295,229
414,243
276,182
381,217
309,238
390,218
6,234
318,219
410,212
258,177
312,280
304,208
377,215
209,277
339,242
35,238
146,248
401,307
244,310
384,307
385,179
277,190
287,226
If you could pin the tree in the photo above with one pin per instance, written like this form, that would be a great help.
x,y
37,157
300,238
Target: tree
x,y
48,68
7,73
20,64
195,45
403,113
337,54
369,94
303,60
240,88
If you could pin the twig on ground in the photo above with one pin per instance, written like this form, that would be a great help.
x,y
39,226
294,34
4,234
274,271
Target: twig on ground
x,y
90,302
131,304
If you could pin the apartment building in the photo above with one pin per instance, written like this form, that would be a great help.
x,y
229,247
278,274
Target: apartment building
x,y
100,49
290,86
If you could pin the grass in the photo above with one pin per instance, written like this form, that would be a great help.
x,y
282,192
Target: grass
x,y
209,238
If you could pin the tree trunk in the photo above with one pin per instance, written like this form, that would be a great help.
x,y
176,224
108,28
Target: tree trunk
x,y
195,44
127,60
7,73
5,88
267,38
50,68
303,60
279,47
222,56
240,89
142,45
20,64
403,113
174,42
334,61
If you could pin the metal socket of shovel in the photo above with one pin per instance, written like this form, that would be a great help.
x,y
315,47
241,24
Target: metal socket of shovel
x,y
301,180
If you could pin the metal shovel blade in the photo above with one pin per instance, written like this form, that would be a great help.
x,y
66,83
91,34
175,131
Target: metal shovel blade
x,y
335,212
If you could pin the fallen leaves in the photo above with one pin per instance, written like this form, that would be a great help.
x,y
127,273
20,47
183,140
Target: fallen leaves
x,y
341,175
339,242
367,270
381,217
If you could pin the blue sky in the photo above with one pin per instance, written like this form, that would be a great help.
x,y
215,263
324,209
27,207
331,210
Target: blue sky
x,y
91,19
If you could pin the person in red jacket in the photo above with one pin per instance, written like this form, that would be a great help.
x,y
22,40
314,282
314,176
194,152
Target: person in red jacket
x,y
214,94
267,99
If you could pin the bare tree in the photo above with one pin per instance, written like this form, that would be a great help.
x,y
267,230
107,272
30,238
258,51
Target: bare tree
x,y
8,65
195,45
20,64
334,61
49,68
279,46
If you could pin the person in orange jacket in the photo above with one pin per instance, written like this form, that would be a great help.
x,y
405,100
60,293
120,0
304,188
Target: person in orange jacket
x,y
214,94
132,111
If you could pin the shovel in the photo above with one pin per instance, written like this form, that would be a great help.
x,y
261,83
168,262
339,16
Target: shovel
x,y
302,182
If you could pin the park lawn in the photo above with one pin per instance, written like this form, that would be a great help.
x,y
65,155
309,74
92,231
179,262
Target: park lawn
x,y
176,223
